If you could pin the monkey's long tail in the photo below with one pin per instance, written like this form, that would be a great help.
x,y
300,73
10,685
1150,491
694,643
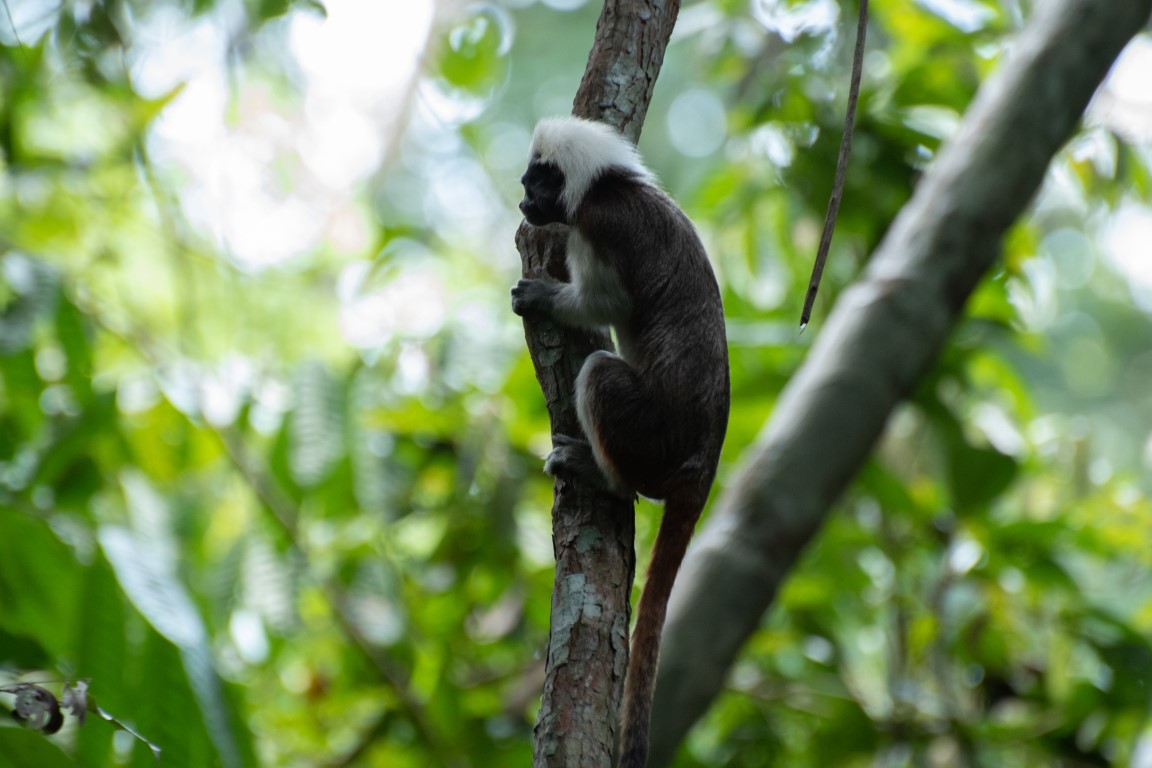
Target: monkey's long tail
x,y
681,511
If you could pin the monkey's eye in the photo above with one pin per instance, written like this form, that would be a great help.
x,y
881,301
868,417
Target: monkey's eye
x,y
542,176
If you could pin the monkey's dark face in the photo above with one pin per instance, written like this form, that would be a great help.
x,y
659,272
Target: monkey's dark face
x,y
542,185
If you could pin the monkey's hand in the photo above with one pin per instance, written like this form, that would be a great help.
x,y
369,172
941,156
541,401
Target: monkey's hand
x,y
534,297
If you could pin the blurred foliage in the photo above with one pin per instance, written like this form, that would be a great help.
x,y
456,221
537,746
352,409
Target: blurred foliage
x,y
269,476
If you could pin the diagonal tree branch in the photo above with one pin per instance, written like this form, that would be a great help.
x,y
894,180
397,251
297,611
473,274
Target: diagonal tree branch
x,y
592,532
883,335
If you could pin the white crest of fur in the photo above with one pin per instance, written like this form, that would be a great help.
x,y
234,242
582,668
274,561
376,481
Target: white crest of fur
x,y
583,150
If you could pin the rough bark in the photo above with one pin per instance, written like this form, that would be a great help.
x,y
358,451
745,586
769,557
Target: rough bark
x,y
884,334
592,533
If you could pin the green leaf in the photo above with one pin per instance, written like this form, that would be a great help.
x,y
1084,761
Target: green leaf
x,y
22,652
149,579
67,460
101,649
39,582
22,748
472,54
976,474
73,332
271,9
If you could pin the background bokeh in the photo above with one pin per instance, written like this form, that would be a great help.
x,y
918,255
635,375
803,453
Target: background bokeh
x,y
270,441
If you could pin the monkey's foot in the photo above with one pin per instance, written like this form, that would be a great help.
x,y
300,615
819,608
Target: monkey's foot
x,y
571,459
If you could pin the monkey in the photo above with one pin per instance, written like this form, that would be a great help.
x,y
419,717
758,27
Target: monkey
x,y
654,415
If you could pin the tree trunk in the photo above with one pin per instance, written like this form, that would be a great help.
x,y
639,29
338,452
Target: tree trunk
x,y
592,532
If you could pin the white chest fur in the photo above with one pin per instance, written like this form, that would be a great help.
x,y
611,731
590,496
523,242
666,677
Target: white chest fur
x,y
601,294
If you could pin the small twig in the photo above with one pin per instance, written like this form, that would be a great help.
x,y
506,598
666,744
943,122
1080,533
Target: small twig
x,y
841,167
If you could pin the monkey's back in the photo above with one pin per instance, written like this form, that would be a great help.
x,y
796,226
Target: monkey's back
x,y
674,336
